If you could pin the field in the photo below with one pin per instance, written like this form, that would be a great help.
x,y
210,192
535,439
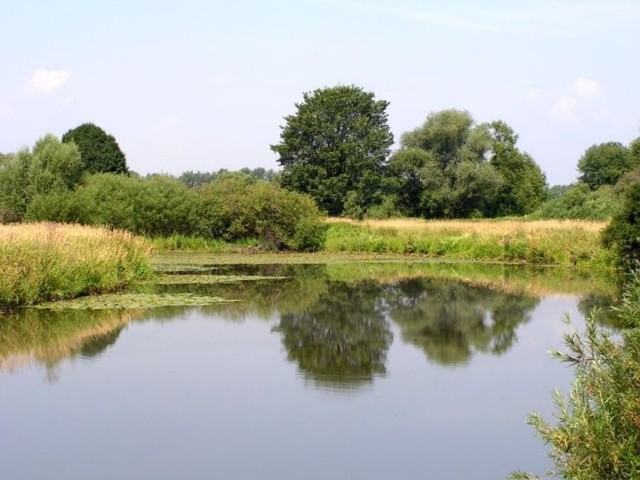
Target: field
x,y
48,261
550,242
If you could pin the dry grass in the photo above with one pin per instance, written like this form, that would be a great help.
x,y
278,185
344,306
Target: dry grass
x,y
461,227
48,261
547,242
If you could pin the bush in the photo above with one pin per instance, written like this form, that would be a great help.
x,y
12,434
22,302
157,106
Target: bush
x,y
578,202
237,207
623,233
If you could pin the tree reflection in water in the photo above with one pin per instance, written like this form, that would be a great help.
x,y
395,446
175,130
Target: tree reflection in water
x,y
341,340
450,320
344,337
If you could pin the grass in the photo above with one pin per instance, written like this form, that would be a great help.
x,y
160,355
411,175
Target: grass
x,y
48,261
543,242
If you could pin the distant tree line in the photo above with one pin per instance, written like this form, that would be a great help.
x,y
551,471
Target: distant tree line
x,y
336,159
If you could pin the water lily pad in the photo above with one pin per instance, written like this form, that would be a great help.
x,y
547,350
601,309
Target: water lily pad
x,y
133,301
209,279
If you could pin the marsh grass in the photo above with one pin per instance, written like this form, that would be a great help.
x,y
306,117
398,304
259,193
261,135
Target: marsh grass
x,y
550,242
48,261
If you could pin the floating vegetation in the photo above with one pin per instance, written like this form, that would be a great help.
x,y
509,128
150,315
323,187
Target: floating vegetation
x,y
134,301
210,279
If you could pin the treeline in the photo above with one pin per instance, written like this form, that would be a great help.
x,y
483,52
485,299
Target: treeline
x,y
51,182
336,159
336,148
607,171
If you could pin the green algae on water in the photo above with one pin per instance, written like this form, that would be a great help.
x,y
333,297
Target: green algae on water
x,y
133,301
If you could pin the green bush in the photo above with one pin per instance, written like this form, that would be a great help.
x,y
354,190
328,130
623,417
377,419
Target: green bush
x,y
580,203
623,233
238,206
597,431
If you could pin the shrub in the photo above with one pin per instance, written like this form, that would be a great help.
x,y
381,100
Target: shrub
x,y
597,432
623,233
237,207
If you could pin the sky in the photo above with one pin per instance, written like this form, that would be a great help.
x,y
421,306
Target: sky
x,y
203,85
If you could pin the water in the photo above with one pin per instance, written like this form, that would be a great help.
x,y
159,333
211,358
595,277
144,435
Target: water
x,y
307,377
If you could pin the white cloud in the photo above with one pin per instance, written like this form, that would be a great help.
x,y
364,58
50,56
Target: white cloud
x,y
43,81
586,86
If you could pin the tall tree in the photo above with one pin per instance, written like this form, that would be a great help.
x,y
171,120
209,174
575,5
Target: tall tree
x,y
335,146
464,170
99,151
605,164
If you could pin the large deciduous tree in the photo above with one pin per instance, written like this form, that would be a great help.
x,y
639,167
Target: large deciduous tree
x,y
606,163
452,167
335,148
99,151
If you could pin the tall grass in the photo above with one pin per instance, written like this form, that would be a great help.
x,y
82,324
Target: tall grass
x,y
550,242
48,261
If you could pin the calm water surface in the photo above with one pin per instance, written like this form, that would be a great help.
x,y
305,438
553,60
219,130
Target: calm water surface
x,y
307,377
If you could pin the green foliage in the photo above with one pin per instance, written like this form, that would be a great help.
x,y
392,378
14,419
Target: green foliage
x,y
50,168
452,168
596,434
623,233
443,133
605,164
336,145
239,207
197,179
99,151
580,202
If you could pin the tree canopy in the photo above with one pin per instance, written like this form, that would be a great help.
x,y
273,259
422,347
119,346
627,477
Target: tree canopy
x,y
99,151
606,163
335,148
452,167
49,167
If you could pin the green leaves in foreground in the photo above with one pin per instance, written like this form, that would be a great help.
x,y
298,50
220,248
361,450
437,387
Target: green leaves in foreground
x,y
596,434
134,301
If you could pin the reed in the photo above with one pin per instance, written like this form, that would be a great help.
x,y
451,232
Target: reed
x,y
549,242
49,261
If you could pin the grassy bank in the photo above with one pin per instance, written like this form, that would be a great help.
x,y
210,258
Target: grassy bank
x,y
47,261
549,242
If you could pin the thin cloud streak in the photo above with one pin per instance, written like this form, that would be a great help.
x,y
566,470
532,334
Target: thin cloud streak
x,y
564,19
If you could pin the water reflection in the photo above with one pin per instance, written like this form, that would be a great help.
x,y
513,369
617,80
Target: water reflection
x,y
450,320
46,338
335,321
343,338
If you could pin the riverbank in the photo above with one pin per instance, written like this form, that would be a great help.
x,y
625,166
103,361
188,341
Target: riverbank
x,y
543,242
48,261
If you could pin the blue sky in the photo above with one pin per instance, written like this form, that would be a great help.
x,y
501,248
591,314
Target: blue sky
x,y
203,85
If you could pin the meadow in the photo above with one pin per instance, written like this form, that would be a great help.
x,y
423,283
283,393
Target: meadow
x,y
542,242
49,261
